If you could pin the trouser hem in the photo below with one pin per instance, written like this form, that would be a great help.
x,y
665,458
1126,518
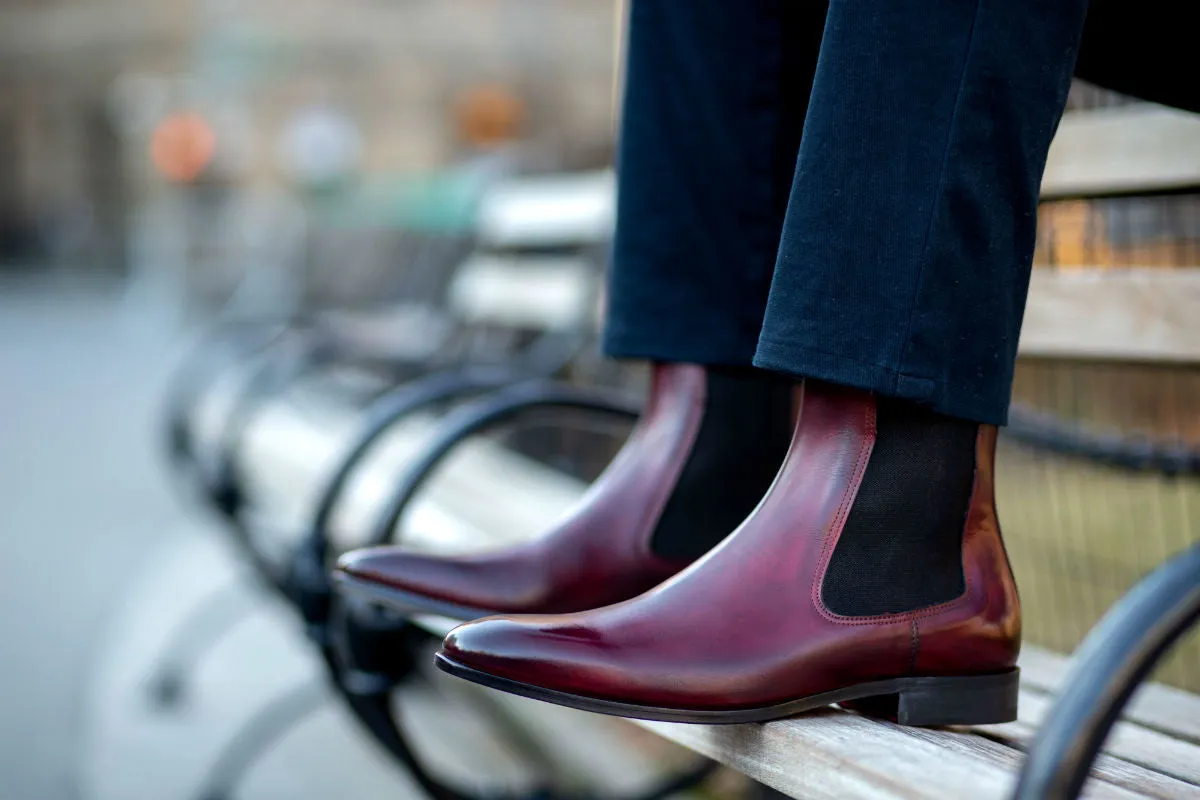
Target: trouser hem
x,y
943,397
692,349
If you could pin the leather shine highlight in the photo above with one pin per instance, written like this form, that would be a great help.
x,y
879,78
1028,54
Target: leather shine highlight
x,y
599,554
745,626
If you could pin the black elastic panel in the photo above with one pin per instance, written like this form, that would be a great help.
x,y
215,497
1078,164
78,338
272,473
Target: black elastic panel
x,y
742,440
901,547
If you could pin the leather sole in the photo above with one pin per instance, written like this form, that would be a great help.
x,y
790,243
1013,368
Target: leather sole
x,y
406,602
919,701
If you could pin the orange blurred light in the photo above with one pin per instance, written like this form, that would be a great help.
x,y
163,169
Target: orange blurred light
x,y
182,146
489,115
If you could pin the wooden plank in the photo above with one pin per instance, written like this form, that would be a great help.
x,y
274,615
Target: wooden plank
x,y
1128,149
1107,769
1128,314
535,292
1166,709
1135,757
292,446
830,755
552,210
1110,772
407,330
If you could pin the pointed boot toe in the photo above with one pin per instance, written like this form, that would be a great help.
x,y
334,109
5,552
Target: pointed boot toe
x,y
600,553
503,647
418,584
558,658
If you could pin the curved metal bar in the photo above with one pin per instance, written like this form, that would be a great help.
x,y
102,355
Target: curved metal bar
x,y
209,622
202,627
304,580
1141,453
222,485
195,375
1111,663
475,417
385,412
255,738
267,380
274,575
373,710
368,696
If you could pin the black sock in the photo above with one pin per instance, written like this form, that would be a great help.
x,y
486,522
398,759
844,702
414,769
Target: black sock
x,y
743,437
901,547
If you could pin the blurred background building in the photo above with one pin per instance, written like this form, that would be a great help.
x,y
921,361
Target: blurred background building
x,y
107,108
155,156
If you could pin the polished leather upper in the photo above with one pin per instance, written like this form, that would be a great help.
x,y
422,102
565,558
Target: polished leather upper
x,y
599,553
745,626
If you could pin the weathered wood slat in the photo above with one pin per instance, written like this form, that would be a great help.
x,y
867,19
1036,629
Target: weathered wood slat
x,y
833,755
1127,149
1171,711
1136,758
567,209
537,292
1128,314
1108,770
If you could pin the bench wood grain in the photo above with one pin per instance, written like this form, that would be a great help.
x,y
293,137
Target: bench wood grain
x,y
1142,148
1121,315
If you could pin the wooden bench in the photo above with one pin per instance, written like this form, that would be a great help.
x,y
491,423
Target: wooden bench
x,y
490,496
522,303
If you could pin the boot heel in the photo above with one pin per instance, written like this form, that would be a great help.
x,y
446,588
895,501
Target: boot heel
x,y
973,700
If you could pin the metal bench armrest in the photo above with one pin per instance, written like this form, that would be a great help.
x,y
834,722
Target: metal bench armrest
x,y
1113,661
490,411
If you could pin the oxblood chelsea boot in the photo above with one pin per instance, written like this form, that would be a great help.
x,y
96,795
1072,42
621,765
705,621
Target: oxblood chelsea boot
x,y
611,546
763,628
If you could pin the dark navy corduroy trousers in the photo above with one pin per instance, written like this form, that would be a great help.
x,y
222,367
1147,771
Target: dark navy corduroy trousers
x,y
844,191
